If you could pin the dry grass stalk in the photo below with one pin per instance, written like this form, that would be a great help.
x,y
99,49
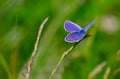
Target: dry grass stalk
x,y
31,60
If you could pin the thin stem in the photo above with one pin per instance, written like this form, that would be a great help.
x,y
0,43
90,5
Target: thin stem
x,y
63,56
60,61
31,61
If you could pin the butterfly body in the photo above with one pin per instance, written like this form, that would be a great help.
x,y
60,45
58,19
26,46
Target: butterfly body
x,y
76,32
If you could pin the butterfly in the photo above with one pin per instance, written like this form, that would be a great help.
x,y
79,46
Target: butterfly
x,y
76,32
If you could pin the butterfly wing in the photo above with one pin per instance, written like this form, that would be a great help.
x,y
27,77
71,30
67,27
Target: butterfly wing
x,y
75,36
71,27
89,25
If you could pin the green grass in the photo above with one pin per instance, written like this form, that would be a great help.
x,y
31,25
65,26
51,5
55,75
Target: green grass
x,y
19,25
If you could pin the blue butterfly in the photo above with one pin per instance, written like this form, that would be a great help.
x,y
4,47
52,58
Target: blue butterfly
x,y
76,32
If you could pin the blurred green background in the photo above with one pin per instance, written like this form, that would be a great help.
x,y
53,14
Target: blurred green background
x,y
96,57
